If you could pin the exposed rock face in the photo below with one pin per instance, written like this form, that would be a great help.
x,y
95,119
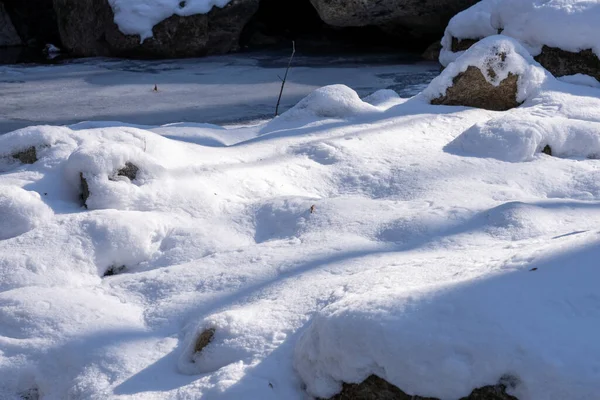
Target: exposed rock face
x,y
130,171
419,17
34,21
27,156
561,63
375,388
87,29
432,53
8,33
471,89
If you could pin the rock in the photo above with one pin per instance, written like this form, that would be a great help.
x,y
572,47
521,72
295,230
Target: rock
x,y
560,62
416,16
462,44
85,190
87,29
8,33
471,89
27,156
547,150
130,171
34,21
114,270
432,53
204,340
375,388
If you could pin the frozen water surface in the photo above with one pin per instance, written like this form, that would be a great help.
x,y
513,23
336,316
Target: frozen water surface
x,y
221,89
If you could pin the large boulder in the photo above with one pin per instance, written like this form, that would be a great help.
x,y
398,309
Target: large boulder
x,y
496,74
8,33
88,28
562,38
418,17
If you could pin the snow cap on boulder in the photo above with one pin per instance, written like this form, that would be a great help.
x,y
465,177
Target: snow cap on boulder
x,y
496,74
564,35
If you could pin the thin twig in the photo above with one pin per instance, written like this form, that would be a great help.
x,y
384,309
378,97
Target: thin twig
x,y
285,77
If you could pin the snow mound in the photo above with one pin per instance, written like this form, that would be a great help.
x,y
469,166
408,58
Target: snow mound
x,y
334,101
414,336
21,211
138,17
382,97
517,138
570,25
496,57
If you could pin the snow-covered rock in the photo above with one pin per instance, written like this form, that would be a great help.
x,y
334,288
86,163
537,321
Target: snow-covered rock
x,y
157,28
561,34
496,74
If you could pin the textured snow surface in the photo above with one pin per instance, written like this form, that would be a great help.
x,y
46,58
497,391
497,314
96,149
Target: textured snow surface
x,y
342,239
138,17
571,25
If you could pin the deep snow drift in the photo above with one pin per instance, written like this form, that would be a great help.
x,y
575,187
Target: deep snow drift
x,y
434,246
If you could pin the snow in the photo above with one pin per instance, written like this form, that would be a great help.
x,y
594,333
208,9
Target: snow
x,y
570,25
434,246
496,57
138,17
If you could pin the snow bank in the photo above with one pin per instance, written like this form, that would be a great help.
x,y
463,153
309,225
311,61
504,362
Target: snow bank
x,y
21,211
570,25
520,138
350,223
496,57
138,17
464,336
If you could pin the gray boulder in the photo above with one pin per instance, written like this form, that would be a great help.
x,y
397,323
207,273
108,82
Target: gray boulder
x,y
87,28
417,17
8,33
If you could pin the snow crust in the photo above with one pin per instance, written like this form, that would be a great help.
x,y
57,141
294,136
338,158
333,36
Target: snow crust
x,y
138,17
496,57
339,240
570,25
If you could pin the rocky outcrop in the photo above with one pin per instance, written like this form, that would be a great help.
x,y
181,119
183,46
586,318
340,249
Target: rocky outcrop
x,y
8,33
471,89
415,17
560,62
87,29
375,388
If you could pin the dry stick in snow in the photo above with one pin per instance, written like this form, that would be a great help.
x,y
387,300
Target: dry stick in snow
x,y
285,77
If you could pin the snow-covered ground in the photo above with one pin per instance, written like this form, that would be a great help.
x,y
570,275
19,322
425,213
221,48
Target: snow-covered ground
x,y
224,89
434,246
